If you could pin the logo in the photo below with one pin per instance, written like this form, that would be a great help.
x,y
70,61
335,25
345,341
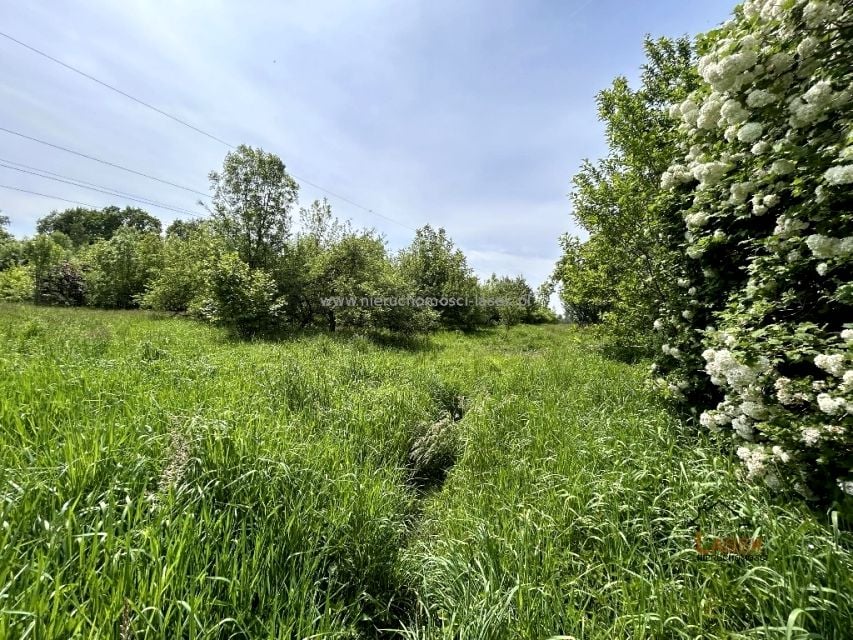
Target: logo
x,y
740,540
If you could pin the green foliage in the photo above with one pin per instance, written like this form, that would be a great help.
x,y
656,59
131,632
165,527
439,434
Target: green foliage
x,y
120,269
253,197
16,284
511,300
266,486
437,269
63,284
183,283
42,254
619,274
84,226
241,298
356,269
762,216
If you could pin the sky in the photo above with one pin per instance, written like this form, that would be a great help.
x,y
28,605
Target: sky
x,y
471,115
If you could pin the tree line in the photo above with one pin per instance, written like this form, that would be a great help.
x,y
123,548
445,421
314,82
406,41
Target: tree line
x,y
257,264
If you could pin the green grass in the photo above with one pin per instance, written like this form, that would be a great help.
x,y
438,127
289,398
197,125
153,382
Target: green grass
x,y
159,480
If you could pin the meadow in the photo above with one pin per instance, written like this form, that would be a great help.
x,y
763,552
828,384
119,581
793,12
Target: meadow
x,y
159,479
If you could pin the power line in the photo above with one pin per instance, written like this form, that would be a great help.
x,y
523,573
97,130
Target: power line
x,y
106,162
44,195
190,126
41,173
112,88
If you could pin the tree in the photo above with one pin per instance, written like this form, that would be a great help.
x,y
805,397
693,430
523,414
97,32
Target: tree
x,y
357,269
182,229
121,268
252,200
761,239
43,253
511,300
242,299
319,231
85,226
189,255
62,284
620,274
437,269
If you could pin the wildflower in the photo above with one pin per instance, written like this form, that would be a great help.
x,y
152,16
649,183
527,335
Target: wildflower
x,y
821,268
846,486
847,335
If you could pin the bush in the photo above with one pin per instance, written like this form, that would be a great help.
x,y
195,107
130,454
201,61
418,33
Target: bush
x,y
184,280
242,299
121,268
16,284
758,335
63,284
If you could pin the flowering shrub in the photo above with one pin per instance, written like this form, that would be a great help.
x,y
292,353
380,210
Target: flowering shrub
x,y
761,335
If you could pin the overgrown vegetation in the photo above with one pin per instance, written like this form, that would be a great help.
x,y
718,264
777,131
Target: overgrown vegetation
x,y
254,269
177,483
722,219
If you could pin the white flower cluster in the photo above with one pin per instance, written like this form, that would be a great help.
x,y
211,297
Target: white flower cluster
x,y
724,369
832,364
828,247
768,132
831,405
839,175
754,459
815,104
787,226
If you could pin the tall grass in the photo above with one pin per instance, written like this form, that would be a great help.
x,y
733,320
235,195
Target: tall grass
x,y
158,480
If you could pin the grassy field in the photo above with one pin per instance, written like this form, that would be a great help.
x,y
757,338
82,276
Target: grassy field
x,y
160,480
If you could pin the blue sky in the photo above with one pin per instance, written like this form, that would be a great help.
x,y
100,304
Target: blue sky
x,y
469,115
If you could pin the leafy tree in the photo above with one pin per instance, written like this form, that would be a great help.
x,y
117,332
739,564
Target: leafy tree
x,y
620,274
42,253
511,300
182,229
121,268
62,284
761,235
183,282
587,277
16,284
85,226
11,250
437,269
253,197
319,232
242,299
357,268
